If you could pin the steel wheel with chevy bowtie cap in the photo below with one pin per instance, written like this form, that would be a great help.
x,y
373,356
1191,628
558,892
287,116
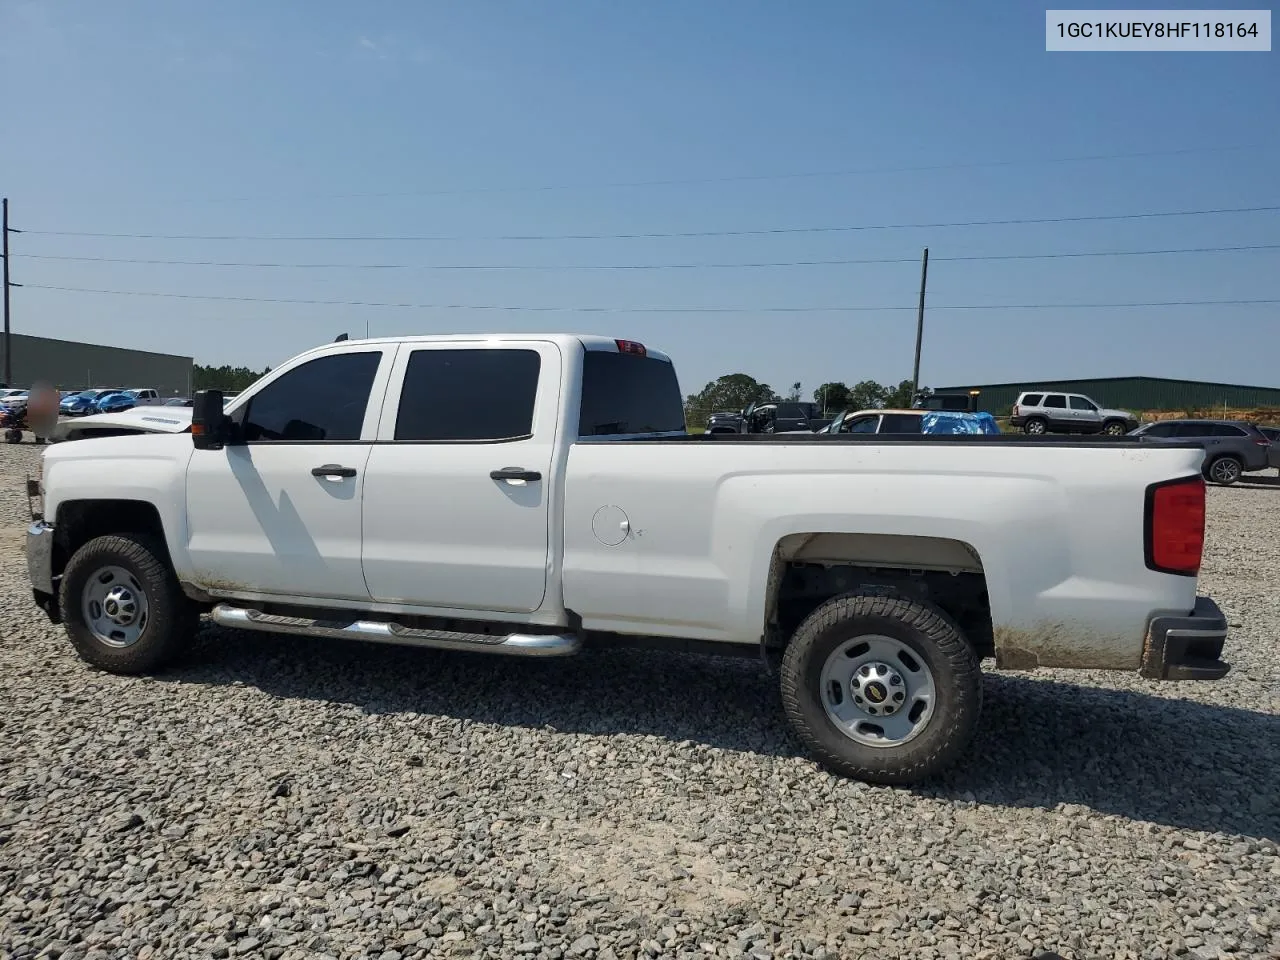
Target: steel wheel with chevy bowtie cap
x,y
122,605
882,688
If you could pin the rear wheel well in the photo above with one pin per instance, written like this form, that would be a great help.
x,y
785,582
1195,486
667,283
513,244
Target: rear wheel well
x,y
79,521
810,569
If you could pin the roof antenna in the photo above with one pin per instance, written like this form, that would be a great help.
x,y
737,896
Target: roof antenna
x,y
340,337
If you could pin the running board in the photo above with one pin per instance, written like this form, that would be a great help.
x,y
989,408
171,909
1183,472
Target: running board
x,y
378,631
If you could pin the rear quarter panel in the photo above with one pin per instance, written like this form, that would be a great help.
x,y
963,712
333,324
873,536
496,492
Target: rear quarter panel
x,y
1058,530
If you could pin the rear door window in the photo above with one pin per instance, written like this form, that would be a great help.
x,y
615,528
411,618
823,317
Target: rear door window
x,y
899,423
1056,401
1193,429
468,395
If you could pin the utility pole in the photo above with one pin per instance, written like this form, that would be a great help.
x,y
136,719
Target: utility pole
x,y
8,343
915,371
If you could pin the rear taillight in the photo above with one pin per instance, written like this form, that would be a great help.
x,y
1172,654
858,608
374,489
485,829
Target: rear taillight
x,y
1174,526
1015,409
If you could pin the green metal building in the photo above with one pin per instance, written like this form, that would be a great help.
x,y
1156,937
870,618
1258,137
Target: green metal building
x,y
1129,393
69,365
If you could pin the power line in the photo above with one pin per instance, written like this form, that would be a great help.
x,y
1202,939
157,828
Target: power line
x,y
533,309
651,266
750,178
850,228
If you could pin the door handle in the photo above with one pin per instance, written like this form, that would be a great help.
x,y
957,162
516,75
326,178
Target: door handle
x,y
333,470
514,473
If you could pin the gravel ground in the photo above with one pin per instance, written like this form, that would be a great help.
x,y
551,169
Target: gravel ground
x,y
287,798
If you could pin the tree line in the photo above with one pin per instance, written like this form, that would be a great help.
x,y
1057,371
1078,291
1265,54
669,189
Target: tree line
x,y
224,378
735,391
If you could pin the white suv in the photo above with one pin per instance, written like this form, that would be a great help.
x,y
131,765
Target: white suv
x,y
1042,411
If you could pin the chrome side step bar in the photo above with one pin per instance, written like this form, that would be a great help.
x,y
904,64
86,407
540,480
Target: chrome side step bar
x,y
517,644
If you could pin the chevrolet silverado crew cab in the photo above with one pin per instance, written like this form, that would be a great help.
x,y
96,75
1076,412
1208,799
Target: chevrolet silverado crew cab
x,y
535,495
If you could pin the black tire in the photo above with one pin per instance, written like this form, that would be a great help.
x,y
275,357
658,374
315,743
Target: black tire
x,y
1114,428
13,436
1224,470
931,636
171,618
1036,426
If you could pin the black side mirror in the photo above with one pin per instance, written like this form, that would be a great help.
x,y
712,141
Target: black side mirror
x,y
209,422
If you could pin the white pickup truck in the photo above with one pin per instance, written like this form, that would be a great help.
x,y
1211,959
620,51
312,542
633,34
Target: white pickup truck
x,y
533,495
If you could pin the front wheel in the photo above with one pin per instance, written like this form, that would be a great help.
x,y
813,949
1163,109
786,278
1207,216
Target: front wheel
x,y
123,608
1114,429
881,688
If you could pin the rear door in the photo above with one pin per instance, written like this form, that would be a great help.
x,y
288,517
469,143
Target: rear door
x,y
456,492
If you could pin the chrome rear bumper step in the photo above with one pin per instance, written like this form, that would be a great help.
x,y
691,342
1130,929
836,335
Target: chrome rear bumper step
x,y
514,644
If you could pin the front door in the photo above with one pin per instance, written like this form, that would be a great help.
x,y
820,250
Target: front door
x,y
279,513
456,499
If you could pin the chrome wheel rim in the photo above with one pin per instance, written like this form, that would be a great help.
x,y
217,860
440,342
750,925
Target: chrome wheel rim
x,y
1113,429
1225,471
115,607
877,691
1035,427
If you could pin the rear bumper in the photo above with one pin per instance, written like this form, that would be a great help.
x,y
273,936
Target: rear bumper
x,y
40,568
1187,648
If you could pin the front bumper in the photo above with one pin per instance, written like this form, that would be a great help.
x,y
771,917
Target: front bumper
x,y
1187,648
40,568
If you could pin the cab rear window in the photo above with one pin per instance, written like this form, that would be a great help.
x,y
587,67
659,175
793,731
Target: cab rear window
x,y
627,394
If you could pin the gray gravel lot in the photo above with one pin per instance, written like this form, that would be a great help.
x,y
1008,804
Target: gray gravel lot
x,y
289,798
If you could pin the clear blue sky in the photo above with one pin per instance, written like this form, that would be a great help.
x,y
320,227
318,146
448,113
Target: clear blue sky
x,y
251,118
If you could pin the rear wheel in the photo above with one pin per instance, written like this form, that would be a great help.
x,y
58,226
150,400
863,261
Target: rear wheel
x,y
1224,470
1035,426
881,688
123,608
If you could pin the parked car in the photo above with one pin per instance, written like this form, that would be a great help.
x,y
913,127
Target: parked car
x,y
178,402
1039,412
725,421
114,402
145,396
1232,447
875,421
783,416
81,404
866,569
913,421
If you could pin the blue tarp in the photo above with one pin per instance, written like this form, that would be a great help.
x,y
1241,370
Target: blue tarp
x,y
948,421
